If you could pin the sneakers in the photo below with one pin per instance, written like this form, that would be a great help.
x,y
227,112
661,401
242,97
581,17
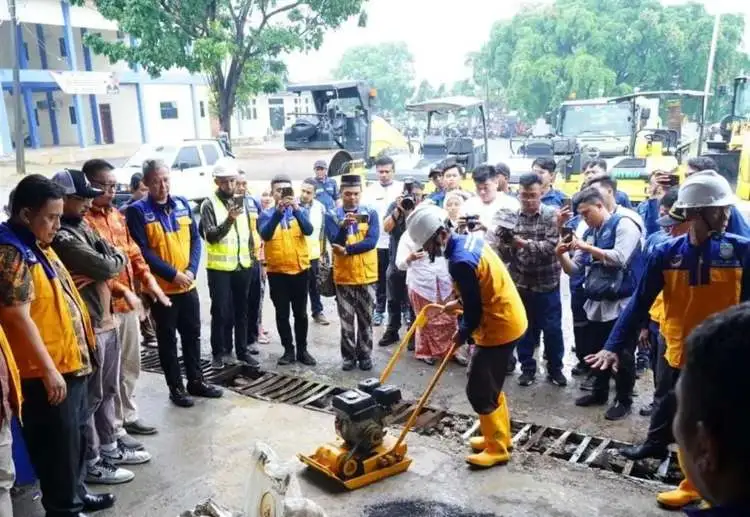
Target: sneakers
x,y
228,360
377,319
557,378
321,320
591,400
389,338
180,398
617,411
306,359
511,365
217,361
252,348
139,427
348,365
365,364
123,456
250,361
203,389
647,410
287,358
128,442
526,379
104,473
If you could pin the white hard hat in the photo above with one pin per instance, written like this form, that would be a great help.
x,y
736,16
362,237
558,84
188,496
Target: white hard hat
x,y
705,189
424,222
226,168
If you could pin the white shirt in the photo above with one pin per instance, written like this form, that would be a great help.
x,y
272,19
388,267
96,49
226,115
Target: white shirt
x,y
380,198
487,211
428,279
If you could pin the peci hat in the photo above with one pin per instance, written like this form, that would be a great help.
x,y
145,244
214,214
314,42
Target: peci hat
x,y
351,180
75,183
673,218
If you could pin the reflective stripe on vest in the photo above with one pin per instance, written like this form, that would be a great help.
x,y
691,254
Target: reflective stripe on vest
x,y
234,248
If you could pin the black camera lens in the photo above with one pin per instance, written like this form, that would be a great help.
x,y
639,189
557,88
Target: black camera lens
x,y
407,203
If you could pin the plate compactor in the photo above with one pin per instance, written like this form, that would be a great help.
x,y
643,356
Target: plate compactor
x,y
364,452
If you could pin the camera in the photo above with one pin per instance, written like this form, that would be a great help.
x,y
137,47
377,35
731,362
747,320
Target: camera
x,y
506,235
472,222
408,202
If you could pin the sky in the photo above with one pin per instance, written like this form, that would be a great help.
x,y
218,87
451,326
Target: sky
x,y
439,34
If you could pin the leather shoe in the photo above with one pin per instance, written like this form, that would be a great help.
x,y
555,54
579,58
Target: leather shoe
x,y
97,502
645,450
179,397
203,389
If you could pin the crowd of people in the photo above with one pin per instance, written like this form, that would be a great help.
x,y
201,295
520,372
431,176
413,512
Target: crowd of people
x,y
84,284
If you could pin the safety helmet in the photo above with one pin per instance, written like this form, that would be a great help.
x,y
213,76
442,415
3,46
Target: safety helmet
x,y
424,222
226,168
705,189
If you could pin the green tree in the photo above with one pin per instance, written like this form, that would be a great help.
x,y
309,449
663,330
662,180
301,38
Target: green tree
x,y
388,67
424,92
589,48
464,87
237,44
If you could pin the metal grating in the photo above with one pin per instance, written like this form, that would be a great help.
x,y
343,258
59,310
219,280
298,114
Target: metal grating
x,y
566,445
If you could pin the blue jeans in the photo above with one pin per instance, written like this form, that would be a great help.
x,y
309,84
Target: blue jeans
x,y
544,312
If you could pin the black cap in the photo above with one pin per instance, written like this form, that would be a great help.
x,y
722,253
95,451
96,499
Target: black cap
x,y
75,183
320,164
351,180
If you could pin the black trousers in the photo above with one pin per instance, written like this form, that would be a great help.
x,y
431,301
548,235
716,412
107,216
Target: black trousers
x,y
381,290
487,372
598,332
254,300
229,308
184,316
665,401
290,292
54,439
316,305
580,338
398,297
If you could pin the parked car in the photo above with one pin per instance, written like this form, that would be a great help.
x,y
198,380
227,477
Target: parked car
x,y
191,162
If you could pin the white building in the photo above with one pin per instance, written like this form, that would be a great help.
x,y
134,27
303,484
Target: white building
x,y
75,97
269,114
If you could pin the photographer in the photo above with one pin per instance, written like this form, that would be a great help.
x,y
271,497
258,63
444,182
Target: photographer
x,y
230,257
529,249
395,225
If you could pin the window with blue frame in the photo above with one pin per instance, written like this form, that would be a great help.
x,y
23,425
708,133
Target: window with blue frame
x,y
63,49
168,110
26,50
36,117
72,113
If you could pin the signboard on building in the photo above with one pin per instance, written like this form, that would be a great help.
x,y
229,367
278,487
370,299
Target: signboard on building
x,y
87,83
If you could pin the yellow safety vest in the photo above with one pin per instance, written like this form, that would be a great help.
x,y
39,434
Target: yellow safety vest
x,y
359,269
234,249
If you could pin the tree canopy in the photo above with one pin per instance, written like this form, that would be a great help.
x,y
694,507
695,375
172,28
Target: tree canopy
x,y
388,67
238,44
589,48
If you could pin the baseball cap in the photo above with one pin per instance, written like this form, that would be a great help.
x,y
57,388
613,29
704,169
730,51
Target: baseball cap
x,y
673,218
320,164
75,183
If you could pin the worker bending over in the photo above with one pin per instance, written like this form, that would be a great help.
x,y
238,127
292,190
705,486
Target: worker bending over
x,y
700,274
493,315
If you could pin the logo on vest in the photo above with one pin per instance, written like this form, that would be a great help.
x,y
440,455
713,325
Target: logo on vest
x,y
150,217
726,250
676,261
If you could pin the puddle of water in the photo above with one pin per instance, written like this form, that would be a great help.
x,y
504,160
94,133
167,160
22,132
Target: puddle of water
x,y
417,508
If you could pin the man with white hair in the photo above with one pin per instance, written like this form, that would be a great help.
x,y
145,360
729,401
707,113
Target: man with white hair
x,y
229,250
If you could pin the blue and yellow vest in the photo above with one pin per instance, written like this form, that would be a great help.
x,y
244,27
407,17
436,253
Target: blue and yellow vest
x,y
169,236
49,310
503,314
287,251
359,269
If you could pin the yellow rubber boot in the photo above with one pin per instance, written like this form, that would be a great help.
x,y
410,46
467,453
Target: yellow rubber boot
x,y
494,431
682,496
477,443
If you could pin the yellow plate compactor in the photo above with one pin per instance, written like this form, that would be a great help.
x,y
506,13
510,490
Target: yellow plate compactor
x,y
364,452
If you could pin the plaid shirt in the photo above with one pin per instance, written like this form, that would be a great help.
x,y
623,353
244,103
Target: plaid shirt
x,y
535,267
110,224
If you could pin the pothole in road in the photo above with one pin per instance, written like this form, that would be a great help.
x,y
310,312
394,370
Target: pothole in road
x,y
416,508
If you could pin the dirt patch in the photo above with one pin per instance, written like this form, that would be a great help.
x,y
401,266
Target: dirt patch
x,y
417,508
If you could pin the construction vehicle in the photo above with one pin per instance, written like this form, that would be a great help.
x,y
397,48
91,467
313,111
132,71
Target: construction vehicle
x,y
364,452
343,125
731,150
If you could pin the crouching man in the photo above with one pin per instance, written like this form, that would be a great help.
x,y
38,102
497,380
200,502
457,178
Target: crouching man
x,y
493,314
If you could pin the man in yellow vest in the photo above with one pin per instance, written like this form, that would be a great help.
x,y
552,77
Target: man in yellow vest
x,y
493,314
353,231
285,228
10,405
51,337
163,226
229,248
699,273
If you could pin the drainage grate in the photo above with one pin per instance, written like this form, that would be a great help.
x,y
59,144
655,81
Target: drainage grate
x,y
565,445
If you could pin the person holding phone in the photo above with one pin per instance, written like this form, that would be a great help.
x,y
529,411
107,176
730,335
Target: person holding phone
x,y
229,265
353,231
285,229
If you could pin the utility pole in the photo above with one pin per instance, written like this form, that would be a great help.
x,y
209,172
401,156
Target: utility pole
x,y
18,130
709,77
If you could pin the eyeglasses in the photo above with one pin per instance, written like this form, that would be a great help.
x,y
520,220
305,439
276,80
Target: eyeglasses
x,y
104,186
